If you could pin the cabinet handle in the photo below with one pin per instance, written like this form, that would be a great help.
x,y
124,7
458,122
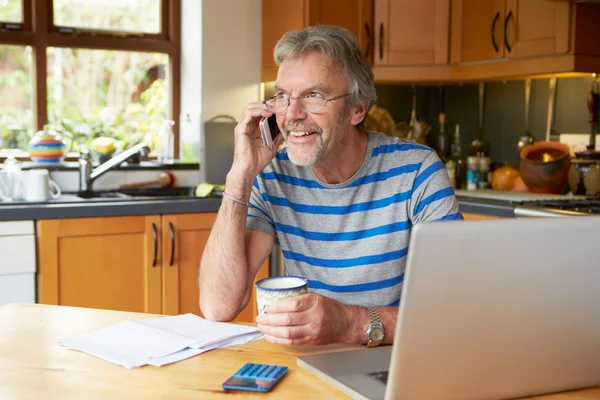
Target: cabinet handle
x,y
494,22
172,230
508,17
368,32
381,41
155,234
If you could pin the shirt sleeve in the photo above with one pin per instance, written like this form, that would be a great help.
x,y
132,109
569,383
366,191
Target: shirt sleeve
x,y
259,217
432,197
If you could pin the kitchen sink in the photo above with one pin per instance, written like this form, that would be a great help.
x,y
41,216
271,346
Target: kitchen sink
x,y
130,193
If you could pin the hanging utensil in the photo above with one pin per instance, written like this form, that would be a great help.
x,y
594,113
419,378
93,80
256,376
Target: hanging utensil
x,y
480,144
551,134
526,139
414,130
592,102
413,124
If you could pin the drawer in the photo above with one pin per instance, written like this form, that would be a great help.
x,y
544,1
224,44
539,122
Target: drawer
x,y
9,228
17,254
19,288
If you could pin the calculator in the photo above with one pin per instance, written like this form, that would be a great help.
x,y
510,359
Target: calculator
x,y
255,377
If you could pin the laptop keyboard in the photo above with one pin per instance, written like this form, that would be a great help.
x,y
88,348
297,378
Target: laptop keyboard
x,y
381,376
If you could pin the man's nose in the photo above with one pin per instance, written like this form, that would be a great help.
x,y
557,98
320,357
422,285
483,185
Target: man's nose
x,y
295,111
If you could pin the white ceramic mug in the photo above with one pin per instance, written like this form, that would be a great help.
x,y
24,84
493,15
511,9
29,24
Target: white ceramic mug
x,y
276,288
39,186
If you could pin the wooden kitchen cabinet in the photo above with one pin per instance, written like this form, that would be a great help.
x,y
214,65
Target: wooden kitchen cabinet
x,y
138,263
484,30
280,17
536,28
110,263
409,32
185,236
478,217
277,19
477,30
355,15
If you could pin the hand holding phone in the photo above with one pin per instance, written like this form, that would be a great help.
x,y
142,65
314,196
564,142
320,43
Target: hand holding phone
x,y
269,130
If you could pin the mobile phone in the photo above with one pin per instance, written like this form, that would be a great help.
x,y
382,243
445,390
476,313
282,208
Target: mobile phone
x,y
255,378
269,130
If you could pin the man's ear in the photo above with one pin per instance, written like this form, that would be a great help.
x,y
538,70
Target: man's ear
x,y
358,114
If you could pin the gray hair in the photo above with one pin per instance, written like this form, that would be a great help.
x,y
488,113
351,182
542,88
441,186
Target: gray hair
x,y
340,46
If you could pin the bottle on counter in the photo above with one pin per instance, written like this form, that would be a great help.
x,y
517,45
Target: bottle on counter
x,y
166,142
456,162
442,139
472,172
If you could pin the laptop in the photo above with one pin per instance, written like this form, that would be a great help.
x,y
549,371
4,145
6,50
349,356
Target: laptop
x,y
489,310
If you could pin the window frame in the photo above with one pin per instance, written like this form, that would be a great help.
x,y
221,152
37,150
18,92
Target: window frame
x,y
38,31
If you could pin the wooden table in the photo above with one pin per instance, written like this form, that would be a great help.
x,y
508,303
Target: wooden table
x,y
34,366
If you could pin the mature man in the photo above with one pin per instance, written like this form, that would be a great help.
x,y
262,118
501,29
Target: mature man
x,y
340,200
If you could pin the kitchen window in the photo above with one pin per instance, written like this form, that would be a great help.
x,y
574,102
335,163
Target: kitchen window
x,y
88,68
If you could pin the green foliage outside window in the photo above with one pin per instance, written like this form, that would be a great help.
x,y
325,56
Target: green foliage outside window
x,y
90,93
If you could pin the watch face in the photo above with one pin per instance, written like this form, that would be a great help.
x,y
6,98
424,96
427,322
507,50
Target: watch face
x,y
376,334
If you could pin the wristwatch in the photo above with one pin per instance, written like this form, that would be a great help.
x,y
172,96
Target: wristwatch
x,y
374,332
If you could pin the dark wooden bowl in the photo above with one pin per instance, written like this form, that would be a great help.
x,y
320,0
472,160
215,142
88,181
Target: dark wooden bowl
x,y
543,176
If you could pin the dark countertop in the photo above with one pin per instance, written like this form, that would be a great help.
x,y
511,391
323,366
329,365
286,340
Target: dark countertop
x,y
70,206
493,208
142,166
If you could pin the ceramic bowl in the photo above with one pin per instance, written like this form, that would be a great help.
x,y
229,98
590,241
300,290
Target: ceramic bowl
x,y
544,166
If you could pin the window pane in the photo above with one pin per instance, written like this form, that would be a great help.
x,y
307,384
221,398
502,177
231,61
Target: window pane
x,y
10,11
111,15
16,115
118,94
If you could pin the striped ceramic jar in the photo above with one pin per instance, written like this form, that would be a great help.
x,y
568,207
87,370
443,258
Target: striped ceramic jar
x,y
47,147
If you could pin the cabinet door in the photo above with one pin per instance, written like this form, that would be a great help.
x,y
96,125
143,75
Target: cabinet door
x,y
355,15
409,32
278,18
184,239
477,30
536,27
109,263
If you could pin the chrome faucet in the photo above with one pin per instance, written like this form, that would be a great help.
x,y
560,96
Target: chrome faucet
x,y
87,176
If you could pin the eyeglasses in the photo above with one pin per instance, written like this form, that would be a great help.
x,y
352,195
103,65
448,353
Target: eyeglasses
x,y
280,104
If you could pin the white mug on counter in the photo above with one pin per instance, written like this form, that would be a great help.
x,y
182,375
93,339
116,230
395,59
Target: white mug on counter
x,y
38,186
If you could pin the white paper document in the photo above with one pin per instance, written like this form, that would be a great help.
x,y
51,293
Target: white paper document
x,y
160,341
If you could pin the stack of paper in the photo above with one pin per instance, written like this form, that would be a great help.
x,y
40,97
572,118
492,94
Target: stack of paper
x,y
160,341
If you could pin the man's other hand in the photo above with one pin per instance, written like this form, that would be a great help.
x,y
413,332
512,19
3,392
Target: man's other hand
x,y
311,319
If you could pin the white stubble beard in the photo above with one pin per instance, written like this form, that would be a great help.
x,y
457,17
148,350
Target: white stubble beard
x,y
314,158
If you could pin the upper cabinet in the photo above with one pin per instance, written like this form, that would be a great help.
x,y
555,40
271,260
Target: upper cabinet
x,y
536,28
277,19
409,32
493,29
355,15
477,30
436,41
493,39
280,17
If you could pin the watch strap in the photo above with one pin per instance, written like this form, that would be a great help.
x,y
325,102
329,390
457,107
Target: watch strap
x,y
374,315
374,323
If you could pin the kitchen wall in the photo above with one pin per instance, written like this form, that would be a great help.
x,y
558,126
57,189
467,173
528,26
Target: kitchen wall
x,y
504,120
220,61
221,56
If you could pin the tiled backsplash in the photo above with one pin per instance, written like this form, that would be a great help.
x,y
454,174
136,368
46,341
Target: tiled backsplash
x,y
504,120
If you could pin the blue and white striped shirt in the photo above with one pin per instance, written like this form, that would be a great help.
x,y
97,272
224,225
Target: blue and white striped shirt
x,y
351,239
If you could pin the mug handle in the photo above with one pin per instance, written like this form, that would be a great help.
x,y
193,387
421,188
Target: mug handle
x,y
54,189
